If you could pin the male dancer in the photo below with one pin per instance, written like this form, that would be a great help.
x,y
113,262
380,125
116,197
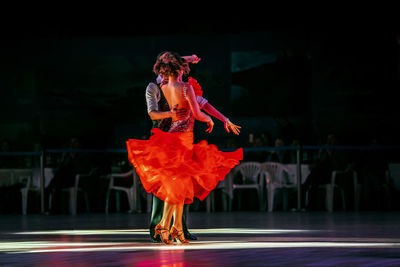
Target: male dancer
x,y
161,115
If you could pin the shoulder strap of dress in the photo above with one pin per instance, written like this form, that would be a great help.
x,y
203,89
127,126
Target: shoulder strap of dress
x,y
185,91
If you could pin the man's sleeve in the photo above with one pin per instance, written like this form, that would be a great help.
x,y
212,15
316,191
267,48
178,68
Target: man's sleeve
x,y
202,101
152,97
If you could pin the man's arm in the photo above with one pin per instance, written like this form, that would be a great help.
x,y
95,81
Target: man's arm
x,y
152,98
159,115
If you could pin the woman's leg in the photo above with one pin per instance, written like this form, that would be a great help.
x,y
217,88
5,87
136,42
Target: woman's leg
x,y
167,215
177,229
178,211
162,228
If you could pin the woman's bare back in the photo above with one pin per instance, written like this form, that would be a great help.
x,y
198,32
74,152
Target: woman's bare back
x,y
181,96
175,95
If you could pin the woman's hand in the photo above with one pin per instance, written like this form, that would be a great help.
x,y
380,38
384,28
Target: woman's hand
x,y
195,59
210,125
230,126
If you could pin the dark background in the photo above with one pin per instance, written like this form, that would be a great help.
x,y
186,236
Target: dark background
x,y
60,79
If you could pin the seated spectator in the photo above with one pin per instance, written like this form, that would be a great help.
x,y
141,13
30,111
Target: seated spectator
x,y
281,156
72,163
257,156
231,142
266,138
328,160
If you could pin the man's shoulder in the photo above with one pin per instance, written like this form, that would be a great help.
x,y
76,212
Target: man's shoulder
x,y
152,88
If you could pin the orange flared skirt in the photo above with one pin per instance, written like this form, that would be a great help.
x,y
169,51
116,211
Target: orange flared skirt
x,y
175,170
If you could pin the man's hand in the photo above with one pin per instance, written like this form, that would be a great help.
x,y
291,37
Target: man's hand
x,y
230,126
177,113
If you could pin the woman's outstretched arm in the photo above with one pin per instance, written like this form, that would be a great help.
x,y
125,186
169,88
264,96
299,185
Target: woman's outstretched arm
x,y
194,59
210,109
194,106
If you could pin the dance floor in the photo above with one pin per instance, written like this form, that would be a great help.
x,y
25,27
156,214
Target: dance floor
x,y
224,239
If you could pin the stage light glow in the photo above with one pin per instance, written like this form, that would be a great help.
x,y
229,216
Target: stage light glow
x,y
245,231
232,243
146,231
87,232
40,247
7,246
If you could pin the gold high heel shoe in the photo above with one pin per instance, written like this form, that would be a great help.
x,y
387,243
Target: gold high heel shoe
x,y
159,230
178,234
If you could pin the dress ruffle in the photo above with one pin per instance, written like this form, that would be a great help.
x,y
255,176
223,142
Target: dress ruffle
x,y
175,170
196,86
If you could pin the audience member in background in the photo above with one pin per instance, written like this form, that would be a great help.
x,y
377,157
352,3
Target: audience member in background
x,y
72,163
328,160
281,155
231,142
257,155
286,129
266,138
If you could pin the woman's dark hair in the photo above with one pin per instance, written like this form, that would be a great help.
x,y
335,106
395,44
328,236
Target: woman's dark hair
x,y
170,64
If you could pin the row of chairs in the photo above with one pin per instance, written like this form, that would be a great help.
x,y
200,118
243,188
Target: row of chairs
x,y
9,177
269,177
265,178
254,175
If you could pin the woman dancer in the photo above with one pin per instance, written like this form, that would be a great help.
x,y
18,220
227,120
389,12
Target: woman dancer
x,y
169,164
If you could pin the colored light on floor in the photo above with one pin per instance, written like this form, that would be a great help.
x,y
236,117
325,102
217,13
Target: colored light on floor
x,y
146,231
41,247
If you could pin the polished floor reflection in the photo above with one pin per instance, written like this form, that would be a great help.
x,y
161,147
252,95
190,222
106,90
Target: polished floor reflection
x,y
224,239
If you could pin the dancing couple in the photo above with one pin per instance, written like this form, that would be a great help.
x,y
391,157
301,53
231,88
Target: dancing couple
x,y
169,164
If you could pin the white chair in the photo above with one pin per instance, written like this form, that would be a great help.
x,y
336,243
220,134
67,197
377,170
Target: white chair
x,y
73,192
330,189
250,175
226,187
277,177
130,191
25,176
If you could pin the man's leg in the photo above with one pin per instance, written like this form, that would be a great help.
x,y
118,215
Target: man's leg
x,y
156,215
188,235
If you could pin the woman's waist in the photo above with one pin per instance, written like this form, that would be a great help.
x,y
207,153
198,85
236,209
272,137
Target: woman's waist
x,y
182,125
183,135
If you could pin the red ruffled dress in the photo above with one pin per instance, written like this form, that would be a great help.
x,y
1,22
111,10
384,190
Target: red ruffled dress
x,y
173,168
